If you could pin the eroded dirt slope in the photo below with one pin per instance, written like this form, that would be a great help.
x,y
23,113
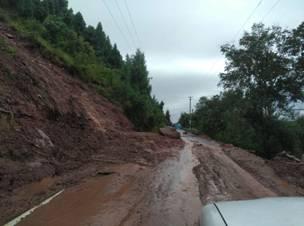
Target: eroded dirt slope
x,y
54,126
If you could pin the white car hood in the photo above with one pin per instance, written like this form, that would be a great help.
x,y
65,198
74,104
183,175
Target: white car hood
x,y
262,212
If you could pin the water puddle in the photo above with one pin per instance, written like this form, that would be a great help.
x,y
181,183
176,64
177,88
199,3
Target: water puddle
x,y
176,194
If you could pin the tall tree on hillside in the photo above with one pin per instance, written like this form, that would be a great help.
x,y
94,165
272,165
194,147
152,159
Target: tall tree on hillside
x,y
61,6
168,118
68,17
100,41
56,29
25,8
40,10
107,51
50,6
115,59
9,3
139,74
79,24
89,35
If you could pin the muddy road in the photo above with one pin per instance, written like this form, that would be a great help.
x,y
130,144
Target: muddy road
x,y
170,194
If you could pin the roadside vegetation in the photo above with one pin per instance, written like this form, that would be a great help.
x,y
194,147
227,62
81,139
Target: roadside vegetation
x,y
263,83
87,52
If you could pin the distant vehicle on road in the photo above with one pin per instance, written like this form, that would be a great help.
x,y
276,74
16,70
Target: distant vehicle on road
x,y
178,126
259,212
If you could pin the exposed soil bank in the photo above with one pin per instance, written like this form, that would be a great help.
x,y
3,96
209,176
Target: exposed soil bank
x,y
56,131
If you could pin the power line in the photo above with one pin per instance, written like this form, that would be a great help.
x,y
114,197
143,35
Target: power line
x,y
116,23
125,23
240,30
250,16
132,22
273,6
246,21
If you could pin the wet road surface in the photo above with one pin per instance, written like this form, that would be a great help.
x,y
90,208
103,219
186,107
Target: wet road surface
x,y
166,195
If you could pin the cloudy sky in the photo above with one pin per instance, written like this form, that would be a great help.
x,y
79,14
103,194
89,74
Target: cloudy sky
x,y
181,38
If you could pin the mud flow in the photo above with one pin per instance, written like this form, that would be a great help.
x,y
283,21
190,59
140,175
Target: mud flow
x,y
130,195
175,200
168,194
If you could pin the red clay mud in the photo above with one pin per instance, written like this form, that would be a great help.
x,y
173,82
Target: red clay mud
x,y
54,126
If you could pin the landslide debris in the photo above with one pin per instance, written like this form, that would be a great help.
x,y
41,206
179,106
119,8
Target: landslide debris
x,y
54,126
170,132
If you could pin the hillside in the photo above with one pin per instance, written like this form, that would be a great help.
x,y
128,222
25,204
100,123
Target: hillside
x,y
54,125
88,54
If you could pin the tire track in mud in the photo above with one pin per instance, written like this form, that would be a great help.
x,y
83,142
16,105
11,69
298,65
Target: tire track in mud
x,y
173,195
221,178
170,193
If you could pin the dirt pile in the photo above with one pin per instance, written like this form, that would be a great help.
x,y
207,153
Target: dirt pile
x,y
52,125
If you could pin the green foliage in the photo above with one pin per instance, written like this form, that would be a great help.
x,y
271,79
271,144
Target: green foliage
x,y
26,8
79,24
184,120
144,111
168,118
3,15
263,77
87,52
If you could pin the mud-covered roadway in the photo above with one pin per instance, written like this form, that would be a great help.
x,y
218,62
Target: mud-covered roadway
x,y
170,194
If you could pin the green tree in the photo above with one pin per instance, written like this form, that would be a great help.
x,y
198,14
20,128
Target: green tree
x,y
224,117
139,74
168,118
61,7
115,59
184,120
79,24
260,69
146,112
100,42
25,8
40,10
56,29
295,50
68,17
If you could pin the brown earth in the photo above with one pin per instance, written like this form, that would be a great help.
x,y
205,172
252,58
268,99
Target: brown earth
x,y
133,195
226,172
55,130
169,193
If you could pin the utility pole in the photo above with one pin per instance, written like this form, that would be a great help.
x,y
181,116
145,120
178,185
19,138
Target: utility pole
x,y
190,112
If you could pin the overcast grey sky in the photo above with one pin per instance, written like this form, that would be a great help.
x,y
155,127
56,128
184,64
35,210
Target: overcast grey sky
x,y
181,38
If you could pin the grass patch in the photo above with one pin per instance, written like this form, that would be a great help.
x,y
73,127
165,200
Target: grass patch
x,y
6,48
